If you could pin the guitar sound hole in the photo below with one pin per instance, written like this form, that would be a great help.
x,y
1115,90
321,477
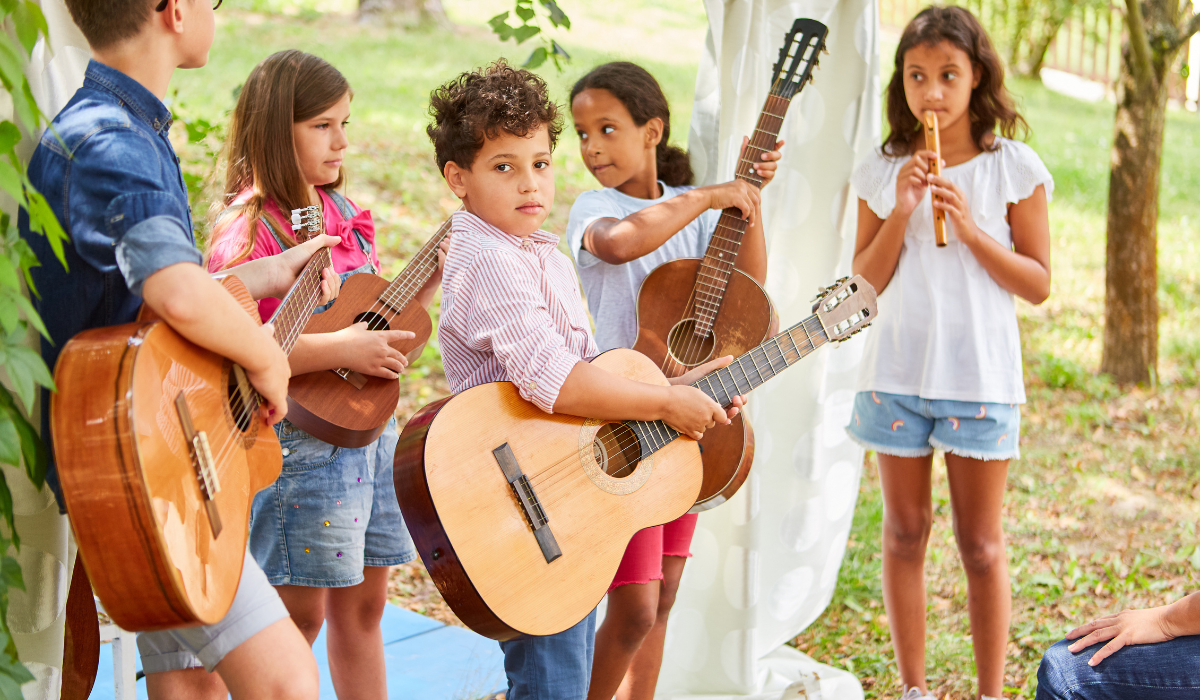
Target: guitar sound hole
x,y
616,450
374,321
688,348
243,415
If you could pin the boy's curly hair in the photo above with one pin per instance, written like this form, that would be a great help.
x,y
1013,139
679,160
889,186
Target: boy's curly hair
x,y
482,103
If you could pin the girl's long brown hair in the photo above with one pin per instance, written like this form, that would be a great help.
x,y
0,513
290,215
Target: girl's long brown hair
x,y
286,88
991,105
644,98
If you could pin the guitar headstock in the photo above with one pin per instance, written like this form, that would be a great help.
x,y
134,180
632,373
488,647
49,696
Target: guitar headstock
x,y
845,307
798,57
306,223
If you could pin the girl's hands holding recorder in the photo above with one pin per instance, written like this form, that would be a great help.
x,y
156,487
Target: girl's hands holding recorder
x,y
912,181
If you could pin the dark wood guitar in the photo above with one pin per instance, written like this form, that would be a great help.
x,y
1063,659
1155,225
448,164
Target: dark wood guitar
x,y
692,310
160,451
522,517
343,407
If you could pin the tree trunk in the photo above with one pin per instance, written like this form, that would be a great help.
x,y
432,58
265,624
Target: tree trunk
x,y
1131,267
1048,30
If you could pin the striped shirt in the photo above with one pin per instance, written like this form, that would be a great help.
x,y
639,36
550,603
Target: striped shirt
x,y
511,311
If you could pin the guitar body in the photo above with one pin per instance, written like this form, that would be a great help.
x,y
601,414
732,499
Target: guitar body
x,y
472,532
132,489
353,412
746,319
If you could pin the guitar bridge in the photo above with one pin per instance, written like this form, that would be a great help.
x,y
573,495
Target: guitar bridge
x,y
535,515
356,380
202,462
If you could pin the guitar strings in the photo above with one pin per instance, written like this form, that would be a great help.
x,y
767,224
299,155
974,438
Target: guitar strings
x,y
761,140
811,327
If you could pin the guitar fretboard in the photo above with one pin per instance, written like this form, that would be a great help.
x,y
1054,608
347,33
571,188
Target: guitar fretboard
x,y
404,288
722,252
742,376
292,315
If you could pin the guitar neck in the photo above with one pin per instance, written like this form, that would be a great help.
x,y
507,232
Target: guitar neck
x,y
743,375
404,288
721,255
292,315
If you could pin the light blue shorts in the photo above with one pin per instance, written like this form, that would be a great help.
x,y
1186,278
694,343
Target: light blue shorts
x,y
910,426
256,606
332,512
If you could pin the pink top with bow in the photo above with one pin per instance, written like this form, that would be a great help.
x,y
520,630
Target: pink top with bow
x,y
346,255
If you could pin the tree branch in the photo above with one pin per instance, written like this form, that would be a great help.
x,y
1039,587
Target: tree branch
x,y
1190,27
1139,43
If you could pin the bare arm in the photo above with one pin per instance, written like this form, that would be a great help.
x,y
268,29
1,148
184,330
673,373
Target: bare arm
x,y
1024,269
877,245
274,275
618,241
197,307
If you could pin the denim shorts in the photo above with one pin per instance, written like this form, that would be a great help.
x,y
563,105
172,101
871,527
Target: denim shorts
x,y
910,426
256,606
332,512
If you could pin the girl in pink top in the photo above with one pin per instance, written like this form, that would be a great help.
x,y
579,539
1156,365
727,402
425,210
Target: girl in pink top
x,y
330,527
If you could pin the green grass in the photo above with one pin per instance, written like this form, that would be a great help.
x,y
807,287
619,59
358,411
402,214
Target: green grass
x,y
1101,508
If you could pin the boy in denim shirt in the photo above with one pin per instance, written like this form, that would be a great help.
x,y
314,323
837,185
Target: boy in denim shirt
x,y
109,172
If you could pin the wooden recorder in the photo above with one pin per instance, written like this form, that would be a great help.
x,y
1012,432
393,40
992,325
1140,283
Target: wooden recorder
x,y
934,143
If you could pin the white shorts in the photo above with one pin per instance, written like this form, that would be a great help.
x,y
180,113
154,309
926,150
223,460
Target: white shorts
x,y
256,606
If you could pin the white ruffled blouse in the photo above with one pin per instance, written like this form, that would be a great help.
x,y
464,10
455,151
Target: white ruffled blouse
x,y
946,329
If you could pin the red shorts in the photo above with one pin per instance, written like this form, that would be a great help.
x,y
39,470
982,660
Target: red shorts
x,y
642,562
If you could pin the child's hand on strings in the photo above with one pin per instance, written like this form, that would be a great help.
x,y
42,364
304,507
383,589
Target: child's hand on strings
x,y
331,286
954,203
711,366
691,411
770,161
912,181
270,379
737,194
370,352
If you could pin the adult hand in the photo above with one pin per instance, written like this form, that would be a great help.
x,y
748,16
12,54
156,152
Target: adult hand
x,y
1120,630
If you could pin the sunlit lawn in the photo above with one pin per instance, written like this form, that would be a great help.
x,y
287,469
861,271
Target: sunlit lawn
x,y
1102,506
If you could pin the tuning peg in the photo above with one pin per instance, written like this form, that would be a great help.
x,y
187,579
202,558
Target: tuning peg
x,y
843,280
825,49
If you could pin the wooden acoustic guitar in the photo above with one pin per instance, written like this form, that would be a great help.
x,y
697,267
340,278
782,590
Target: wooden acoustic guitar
x,y
521,517
343,407
160,451
692,310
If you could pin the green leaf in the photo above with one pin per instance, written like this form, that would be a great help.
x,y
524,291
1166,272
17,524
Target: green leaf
x,y
557,17
1195,559
525,32
525,13
36,17
498,22
10,440
10,319
7,7
6,509
42,219
10,135
24,106
10,573
26,369
27,26
33,450
559,50
10,180
10,63
9,277
31,316
537,58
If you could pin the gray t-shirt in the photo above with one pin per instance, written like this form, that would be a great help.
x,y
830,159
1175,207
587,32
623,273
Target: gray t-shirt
x,y
611,290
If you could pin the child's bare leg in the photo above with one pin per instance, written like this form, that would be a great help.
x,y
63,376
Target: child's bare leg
x,y
356,661
977,497
630,616
642,677
275,664
907,517
306,605
186,684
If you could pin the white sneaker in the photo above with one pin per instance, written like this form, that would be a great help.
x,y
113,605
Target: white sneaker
x,y
914,694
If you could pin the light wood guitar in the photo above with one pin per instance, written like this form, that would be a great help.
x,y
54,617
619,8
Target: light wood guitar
x,y
343,407
692,310
521,517
160,450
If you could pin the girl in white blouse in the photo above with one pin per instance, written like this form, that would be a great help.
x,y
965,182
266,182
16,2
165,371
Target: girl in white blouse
x,y
943,363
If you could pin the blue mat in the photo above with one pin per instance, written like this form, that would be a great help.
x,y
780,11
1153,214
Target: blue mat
x,y
425,659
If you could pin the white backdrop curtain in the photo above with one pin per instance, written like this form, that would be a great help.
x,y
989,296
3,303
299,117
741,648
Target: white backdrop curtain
x,y
766,563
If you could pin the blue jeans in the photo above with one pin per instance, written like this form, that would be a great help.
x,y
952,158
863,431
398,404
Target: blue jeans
x,y
1163,671
557,667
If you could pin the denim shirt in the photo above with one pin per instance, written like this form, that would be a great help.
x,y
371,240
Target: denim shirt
x,y
113,180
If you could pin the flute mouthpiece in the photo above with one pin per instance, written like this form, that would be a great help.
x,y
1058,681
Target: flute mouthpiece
x,y
930,119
